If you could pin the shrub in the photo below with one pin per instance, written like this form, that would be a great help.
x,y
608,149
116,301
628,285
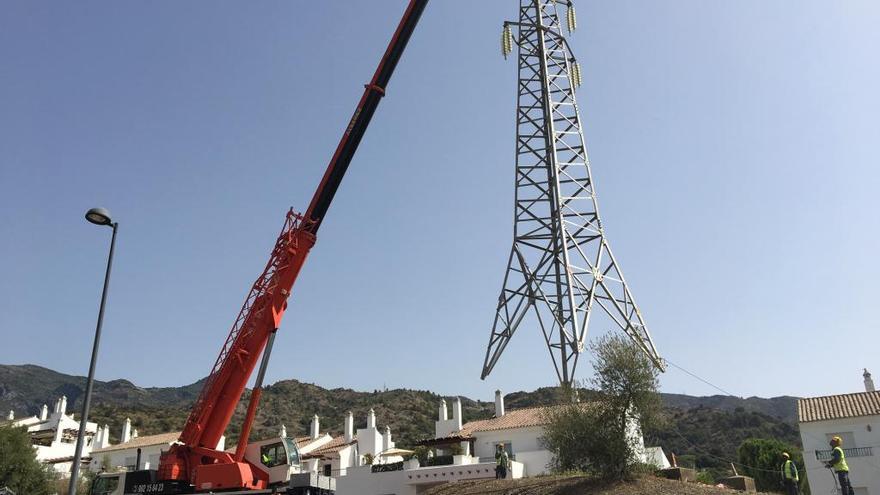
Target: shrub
x,y
384,468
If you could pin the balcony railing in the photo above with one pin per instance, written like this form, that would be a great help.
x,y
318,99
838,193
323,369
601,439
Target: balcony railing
x,y
825,455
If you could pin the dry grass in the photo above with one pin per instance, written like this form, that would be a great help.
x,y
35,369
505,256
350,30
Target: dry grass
x,y
576,485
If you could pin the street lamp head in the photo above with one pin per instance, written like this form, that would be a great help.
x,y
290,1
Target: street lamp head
x,y
99,216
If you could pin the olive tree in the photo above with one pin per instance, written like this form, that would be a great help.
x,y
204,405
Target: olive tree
x,y
596,431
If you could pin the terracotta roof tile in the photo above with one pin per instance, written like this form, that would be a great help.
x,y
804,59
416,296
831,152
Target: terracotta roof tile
x,y
335,445
162,438
517,418
302,441
838,406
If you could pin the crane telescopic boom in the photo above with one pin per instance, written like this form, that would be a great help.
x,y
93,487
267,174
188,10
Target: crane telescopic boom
x,y
196,461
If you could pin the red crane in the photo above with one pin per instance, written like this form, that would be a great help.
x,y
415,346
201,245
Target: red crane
x,y
195,461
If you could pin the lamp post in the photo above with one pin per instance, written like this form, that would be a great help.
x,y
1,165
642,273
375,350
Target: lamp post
x,y
97,216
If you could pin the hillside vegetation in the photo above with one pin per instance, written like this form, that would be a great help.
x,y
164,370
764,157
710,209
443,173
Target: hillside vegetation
x,y
703,430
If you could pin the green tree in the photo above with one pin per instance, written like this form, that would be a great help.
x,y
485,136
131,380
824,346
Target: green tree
x,y
761,458
596,436
19,468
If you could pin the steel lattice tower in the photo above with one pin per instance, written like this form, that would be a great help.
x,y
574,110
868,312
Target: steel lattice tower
x,y
561,262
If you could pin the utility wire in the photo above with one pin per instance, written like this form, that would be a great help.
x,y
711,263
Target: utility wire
x,y
707,382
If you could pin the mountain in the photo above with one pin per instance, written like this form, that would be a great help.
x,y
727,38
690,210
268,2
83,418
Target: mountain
x,y
702,430
783,408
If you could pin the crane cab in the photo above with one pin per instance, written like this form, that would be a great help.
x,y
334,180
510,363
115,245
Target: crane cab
x,y
277,458
108,484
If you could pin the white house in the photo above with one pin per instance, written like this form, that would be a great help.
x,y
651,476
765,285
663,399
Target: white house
x,y
856,419
133,452
519,430
466,451
454,462
54,435
338,455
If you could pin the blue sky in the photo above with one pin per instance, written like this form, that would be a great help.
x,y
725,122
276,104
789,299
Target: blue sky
x,y
733,146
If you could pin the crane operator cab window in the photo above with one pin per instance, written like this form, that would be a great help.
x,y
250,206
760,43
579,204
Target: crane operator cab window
x,y
273,454
105,485
292,452
276,454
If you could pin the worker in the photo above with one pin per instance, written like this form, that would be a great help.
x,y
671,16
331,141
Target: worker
x,y
789,475
838,464
502,461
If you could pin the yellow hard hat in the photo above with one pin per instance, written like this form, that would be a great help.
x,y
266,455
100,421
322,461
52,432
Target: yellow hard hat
x,y
785,454
836,440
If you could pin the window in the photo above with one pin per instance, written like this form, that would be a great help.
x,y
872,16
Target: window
x,y
849,440
273,455
508,446
105,485
292,452
328,469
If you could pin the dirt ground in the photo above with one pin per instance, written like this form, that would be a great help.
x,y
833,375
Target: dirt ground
x,y
576,485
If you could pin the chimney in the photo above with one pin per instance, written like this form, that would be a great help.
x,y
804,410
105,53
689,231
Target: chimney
x,y
44,412
57,406
442,415
456,412
126,431
869,383
315,430
283,432
103,438
386,439
371,418
499,404
62,408
11,415
99,438
349,427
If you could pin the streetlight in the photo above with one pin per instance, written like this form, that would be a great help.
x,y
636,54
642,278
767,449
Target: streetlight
x,y
97,216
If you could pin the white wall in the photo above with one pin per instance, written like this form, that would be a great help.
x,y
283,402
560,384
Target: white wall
x,y
362,481
445,425
369,441
64,442
864,472
523,442
123,458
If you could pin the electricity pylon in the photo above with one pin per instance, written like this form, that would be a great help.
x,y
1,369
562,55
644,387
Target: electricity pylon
x,y
561,262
